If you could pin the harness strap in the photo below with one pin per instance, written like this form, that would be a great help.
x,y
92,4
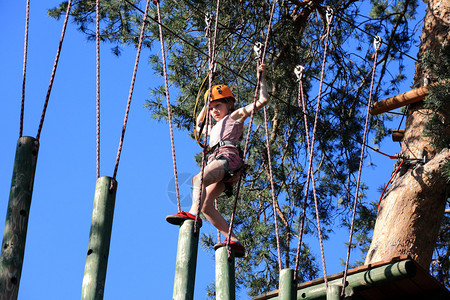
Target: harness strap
x,y
223,143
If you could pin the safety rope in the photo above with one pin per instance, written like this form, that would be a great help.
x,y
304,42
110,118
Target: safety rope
x,y
247,139
299,70
272,188
169,108
211,56
55,65
329,15
377,44
25,54
133,79
97,46
390,179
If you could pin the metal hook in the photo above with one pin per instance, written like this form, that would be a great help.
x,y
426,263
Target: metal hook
x,y
329,14
298,71
377,40
208,20
258,50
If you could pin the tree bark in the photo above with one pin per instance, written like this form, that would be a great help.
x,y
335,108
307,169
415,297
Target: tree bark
x,y
410,214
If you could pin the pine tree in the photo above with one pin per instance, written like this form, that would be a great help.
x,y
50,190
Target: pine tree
x,y
297,36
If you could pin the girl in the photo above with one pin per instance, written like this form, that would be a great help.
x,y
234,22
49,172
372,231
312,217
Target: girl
x,y
224,163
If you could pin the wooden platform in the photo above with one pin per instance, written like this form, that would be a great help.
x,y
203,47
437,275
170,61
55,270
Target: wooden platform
x,y
399,278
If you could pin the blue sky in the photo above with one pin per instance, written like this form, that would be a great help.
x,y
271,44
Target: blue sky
x,y
143,246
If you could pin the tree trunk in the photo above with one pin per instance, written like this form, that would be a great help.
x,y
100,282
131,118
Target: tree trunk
x,y
412,209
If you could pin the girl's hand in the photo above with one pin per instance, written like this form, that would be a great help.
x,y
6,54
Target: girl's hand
x,y
261,70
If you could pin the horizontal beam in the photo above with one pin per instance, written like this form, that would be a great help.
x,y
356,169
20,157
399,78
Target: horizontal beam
x,y
373,277
400,100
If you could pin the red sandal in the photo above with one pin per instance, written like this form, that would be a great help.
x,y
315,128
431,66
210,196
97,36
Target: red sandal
x,y
180,217
239,250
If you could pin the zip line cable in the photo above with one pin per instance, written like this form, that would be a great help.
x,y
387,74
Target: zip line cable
x,y
133,79
169,108
55,65
377,43
25,54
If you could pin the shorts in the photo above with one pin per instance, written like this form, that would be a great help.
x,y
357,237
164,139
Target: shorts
x,y
233,162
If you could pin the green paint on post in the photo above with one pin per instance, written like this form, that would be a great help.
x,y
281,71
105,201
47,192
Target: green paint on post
x,y
333,292
15,234
225,281
183,288
287,288
99,239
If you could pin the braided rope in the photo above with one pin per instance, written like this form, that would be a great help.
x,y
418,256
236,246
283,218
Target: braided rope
x,y
310,172
230,229
366,127
97,42
211,58
169,108
25,54
303,105
133,79
272,188
55,65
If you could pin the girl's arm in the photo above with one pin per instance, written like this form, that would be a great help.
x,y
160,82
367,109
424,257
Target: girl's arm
x,y
242,113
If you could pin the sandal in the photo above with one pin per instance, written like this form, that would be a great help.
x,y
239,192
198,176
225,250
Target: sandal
x,y
180,217
239,250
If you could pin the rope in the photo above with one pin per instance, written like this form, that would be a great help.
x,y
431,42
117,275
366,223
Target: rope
x,y
169,108
211,56
303,105
97,41
272,188
141,38
230,229
25,54
55,65
311,154
366,126
392,176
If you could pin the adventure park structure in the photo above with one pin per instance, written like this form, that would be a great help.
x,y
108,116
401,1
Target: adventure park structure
x,y
386,274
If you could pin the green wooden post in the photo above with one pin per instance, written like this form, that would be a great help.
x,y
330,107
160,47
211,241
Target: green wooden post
x,y
287,288
225,281
183,288
333,292
99,239
15,234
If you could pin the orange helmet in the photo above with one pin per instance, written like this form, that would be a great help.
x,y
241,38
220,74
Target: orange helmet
x,y
218,92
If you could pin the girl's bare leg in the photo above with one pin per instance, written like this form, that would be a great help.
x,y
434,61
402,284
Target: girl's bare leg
x,y
212,188
212,192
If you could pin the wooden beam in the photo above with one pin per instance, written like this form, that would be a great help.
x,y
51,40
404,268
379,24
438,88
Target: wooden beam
x,y
397,135
186,263
406,98
17,214
225,279
94,278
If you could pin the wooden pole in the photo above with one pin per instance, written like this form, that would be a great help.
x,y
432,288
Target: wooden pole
x,y
15,234
397,135
99,239
183,288
287,288
406,98
225,281
333,292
